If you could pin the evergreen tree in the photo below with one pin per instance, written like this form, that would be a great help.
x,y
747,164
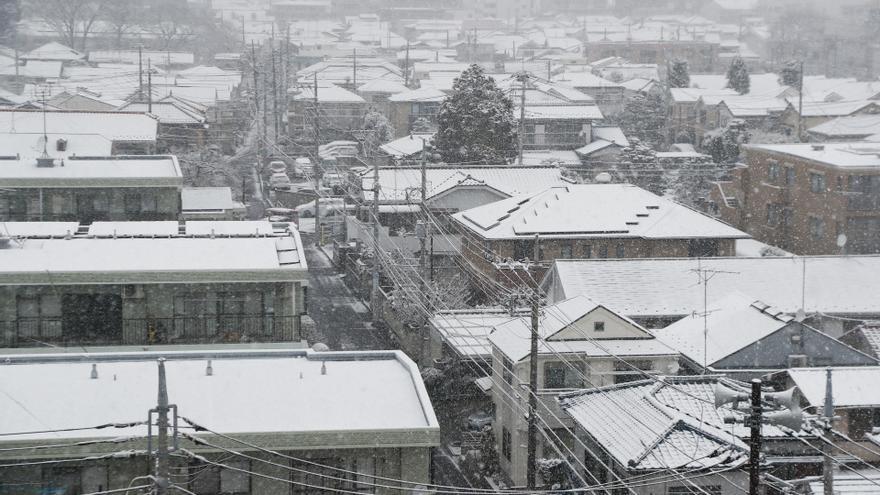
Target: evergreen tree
x,y
379,131
679,76
644,117
476,121
790,74
738,77
639,166
723,145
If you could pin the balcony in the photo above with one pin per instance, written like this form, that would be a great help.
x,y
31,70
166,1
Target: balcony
x,y
209,329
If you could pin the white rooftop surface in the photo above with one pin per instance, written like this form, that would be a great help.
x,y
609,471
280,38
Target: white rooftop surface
x,y
847,482
382,86
832,108
53,51
855,125
512,337
692,95
668,287
582,79
131,57
612,134
328,93
852,387
244,395
116,126
206,199
593,210
133,229
126,255
30,145
407,145
396,182
419,95
844,155
759,84
468,332
166,112
230,228
536,158
24,171
38,229
733,323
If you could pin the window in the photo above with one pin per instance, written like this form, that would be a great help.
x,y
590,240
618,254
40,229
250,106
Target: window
x,y
772,171
132,203
505,443
702,248
598,326
817,228
559,374
565,249
817,183
630,371
773,214
507,370
789,176
620,252
603,251
523,250
588,251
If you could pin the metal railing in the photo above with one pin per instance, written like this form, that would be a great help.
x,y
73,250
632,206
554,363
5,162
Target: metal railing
x,y
205,329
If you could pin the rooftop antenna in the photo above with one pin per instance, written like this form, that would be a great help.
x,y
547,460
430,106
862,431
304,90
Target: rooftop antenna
x,y
706,274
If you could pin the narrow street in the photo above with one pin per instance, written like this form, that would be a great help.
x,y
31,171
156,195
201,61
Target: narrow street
x,y
342,321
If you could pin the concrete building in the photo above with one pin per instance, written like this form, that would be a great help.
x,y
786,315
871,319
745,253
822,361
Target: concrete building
x,y
806,198
89,188
306,435
582,344
135,283
583,222
130,133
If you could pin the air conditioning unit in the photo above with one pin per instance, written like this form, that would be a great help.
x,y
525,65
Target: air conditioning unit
x,y
798,361
133,292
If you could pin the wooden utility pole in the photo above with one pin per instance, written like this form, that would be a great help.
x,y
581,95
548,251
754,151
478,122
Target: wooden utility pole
x,y
257,105
406,66
140,73
163,471
828,447
275,117
755,420
531,466
800,119
149,86
523,77
316,164
354,68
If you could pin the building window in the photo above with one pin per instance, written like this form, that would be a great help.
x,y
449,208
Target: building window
x,y
588,251
563,375
817,228
505,443
565,250
620,252
507,370
772,171
817,183
773,214
789,176
702,248
523,250
598,326
603,251
630,371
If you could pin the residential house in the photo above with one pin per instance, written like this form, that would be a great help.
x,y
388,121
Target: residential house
x,y
407,148
865,337
131,133
684,117
581,344
806,198
165,59
377,92
350,72
54,52
80,101
414,111
87,189
820,112
604,147
758,112
210,203
136,283
304,400
656,429
340,111
182,124
608,95
744,338
514,239
658,292
840,129
854,396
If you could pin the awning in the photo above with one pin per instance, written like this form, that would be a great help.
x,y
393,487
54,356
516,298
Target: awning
x,y
484,384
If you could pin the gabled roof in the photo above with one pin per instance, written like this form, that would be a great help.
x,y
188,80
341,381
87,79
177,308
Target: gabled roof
x,y
168,112
732,323
560,333
593,211
419,95
327,93
53,51
382,86
852,386
467,332
854,125
670,423
407,145
834,108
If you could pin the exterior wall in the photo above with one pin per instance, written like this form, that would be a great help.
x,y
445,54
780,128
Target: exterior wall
x,y
511,401
610,100
90,204
402,114
408,463
798,208
564,134
152,314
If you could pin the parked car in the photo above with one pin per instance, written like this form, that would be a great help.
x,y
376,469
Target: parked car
x,y
328,207
279,181
333,181
303,167
478,420
277,166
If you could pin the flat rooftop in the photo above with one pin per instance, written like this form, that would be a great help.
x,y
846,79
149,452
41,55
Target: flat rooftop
x,y
105,171
269,392
844,155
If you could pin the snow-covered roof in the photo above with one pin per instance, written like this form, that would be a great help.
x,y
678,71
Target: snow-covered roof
x,y
331,396
753,106
852,386
419,95
592,211
854,125
166,111
327,93
382,86
512,338
115,126
407,145
396,184
131,57
202,199
847,482
692,95
342,70
732,322
583,79
560,112
671,423
53,51
123,171
833,108
763,85
844,155
536,158
611,134
467,332
40,69
668,287
156,253
30,145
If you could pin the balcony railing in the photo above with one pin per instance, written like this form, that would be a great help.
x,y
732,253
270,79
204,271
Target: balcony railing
x,y
208,329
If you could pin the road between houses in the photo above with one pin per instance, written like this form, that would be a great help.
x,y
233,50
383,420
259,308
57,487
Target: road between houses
x,y
342,321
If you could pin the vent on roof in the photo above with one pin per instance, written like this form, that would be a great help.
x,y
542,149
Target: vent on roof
x,y
642,215
818,147
632,223
653,207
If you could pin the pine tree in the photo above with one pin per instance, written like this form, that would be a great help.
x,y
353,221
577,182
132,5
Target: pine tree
x,y
723,145
790,74
639,166
679,76
476,123
644,117
738,77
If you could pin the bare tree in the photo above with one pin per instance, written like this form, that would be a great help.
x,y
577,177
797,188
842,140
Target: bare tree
x,y
71,19
122,16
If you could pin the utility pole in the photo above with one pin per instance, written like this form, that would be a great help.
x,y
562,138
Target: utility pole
x,y
755,420
800,120
140,72
531,466
149,86
406,66
316,165
523,77
354,68
274,91
162,469
375,290
424,237
828,448
257,105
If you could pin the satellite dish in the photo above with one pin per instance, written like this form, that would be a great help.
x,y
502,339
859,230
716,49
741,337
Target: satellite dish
x,y
603,178
841,240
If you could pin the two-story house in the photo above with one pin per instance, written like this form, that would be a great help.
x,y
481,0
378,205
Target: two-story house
x,y
581,344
